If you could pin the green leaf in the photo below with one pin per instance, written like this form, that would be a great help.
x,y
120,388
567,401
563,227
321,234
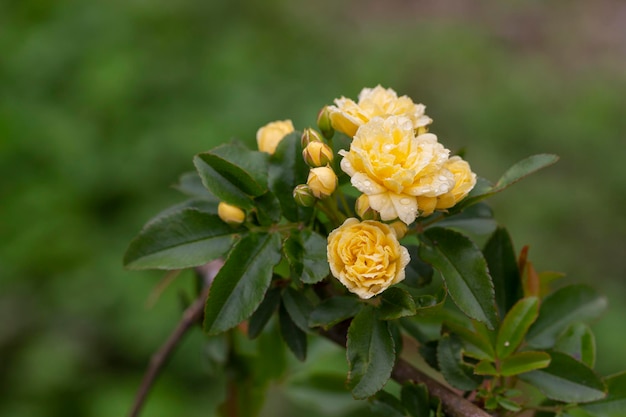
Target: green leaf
x,y
370,352
384,404
464,270
190,184
567,380
293,336
288,169
267,208
475,344
264,312
299,308
485,367
221,186
517,172
396,303
241,284
515,325
415,399
504,271
334,310
508,404
578,342
306,253
524,362
179,239
450,359
615,402
560,309
477,219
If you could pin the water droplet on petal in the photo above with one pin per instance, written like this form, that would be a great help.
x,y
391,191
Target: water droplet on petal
x,y
367,183
405,201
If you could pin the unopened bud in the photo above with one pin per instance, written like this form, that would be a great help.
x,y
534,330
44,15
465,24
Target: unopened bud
x,y
317,154
323,123
322,181
399,228
303,195
364,210
310,135
230,214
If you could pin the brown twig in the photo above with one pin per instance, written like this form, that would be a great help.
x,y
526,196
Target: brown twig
x,y
453,404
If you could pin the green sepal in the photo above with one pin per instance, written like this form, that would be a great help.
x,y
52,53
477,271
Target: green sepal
x,y
515,325
242,282
464,270
450,359
334,310
396,303
567,380
370,352
560,309
521,362
180,239
293,336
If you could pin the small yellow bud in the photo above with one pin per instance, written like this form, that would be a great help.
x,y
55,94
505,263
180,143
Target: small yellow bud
x,y
303,195
322,181
324,124
317,154
230,214
364,210
399,229
269,136
310,135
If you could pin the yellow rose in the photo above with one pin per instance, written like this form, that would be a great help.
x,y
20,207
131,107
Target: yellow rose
x,y
464,181
269,136
394,167
366,257
346,116
230,214
322,181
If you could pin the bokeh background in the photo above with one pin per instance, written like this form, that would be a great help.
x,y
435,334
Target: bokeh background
x,y
104,103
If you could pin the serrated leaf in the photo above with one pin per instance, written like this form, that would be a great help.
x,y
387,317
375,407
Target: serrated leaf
x,y
299,308
334,310
415,399
560,309
567,380
477,219
615,402
485,367
464,270
503,269
306,253
396,303
515,325
384,404
293,336
241,284
190,184
288,169
264,312
418,273
509,404
579,342
370,352
267,209
524,362
221,186
181,239
450,359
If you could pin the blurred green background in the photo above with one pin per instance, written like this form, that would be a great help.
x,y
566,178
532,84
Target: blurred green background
x,y
104,103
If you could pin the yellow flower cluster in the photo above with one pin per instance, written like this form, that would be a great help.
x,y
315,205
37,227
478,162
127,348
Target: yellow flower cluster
x,y
403,170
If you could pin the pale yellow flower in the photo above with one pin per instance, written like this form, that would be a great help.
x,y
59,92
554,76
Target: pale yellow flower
x,y
394,167
366,257
230,214
317,154
346,116
269,136
464,181
322,181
